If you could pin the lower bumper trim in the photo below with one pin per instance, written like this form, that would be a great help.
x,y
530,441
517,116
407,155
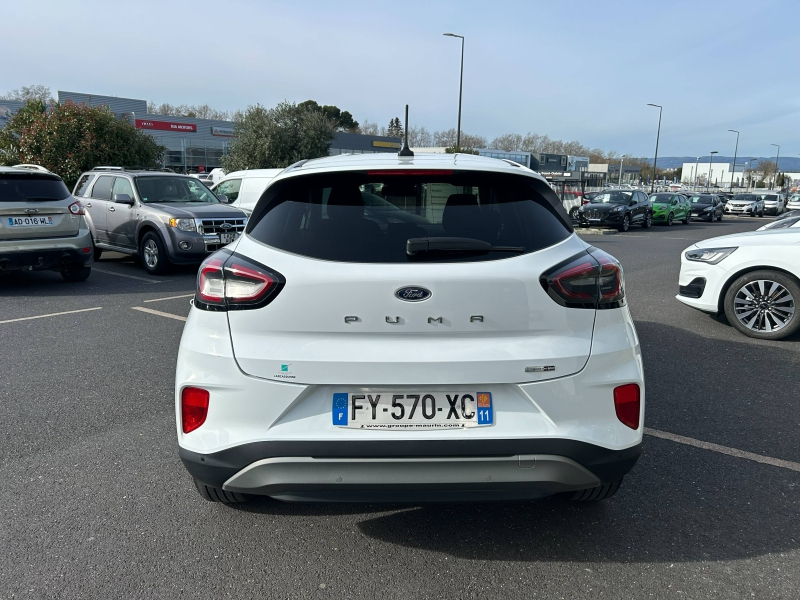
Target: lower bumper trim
x,y
215,469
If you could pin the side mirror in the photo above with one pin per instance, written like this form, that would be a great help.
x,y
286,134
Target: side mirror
x,y
123,199
223,198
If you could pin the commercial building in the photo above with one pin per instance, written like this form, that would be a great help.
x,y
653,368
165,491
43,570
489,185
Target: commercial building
x,y
610,173
193,144
714,173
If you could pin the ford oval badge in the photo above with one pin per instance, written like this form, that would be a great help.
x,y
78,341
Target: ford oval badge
x,y
413,294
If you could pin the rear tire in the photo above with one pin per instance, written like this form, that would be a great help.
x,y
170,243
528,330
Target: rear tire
x,y
213,494
602,492
76,272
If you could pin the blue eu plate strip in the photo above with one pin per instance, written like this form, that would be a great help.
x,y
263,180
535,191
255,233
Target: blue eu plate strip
x,y
340,407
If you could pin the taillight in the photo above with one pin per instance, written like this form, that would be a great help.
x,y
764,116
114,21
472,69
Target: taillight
x,y
76,208
590,280
627,404
194,408
229,281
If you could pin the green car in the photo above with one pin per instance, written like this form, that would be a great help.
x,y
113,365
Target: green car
x,y
668,207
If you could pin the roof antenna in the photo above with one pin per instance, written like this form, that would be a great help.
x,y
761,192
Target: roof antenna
x,y
406,151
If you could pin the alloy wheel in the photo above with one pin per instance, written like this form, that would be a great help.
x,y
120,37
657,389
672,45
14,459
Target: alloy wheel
x,y
764,306
150,254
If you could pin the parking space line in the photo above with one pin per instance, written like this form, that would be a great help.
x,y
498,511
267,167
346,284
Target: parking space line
x,y
169,298
66,312
159,313
767,460
127,276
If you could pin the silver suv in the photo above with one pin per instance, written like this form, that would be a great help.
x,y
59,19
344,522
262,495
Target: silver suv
x,y
162,217
42,227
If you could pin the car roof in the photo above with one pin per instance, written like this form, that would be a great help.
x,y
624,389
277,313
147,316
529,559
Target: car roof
x,y
391,161
29,172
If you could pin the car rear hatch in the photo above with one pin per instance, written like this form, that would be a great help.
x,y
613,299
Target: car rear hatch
x,y
35,205
386,318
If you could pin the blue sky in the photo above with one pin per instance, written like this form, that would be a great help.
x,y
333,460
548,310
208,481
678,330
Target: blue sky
x,y
580,70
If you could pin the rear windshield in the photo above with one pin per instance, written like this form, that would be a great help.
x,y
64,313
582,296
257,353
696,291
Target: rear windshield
x,y
31,188
370,217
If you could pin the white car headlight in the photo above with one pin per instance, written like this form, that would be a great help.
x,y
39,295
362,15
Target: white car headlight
x,y
711,256
618,209
183,224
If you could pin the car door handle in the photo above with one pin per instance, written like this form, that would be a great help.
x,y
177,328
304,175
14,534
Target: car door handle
x,y
112,209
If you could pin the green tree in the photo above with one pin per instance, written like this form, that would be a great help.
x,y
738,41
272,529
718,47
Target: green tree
x,y
395,128
278,137
341,118
69,139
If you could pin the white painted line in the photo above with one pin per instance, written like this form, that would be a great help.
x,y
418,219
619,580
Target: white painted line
x,y
66,312
169,298
127,276
767,460
159,313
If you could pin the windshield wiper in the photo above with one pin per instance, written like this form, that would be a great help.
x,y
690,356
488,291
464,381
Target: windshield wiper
x,y
415,246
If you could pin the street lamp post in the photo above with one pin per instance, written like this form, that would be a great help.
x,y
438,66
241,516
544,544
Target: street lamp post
x,y
658,135
696,173
711,162
777,158
621,161
735,154
460,90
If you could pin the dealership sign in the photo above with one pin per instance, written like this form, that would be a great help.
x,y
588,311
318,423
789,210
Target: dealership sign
x,y
223,131
165,125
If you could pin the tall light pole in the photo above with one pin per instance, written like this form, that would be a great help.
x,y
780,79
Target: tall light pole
x,y
711,162
696,173
621,161
658,135
460,90
777,158
735,154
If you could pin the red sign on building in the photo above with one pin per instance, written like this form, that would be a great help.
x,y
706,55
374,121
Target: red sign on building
x,y
165,125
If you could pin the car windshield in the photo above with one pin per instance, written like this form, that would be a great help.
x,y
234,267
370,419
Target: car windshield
x,y
700,199
396,217
23,187
173,189
615,197
747,197
768,197
660,198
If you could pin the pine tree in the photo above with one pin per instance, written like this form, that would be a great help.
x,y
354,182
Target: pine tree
x,y
395,128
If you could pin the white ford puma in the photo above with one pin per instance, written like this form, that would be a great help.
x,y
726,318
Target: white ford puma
x,y
409,329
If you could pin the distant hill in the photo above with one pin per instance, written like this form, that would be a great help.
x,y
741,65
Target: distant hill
x,y
789,164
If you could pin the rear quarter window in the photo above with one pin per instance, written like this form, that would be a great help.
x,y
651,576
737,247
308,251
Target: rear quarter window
x,y
369,217
24,187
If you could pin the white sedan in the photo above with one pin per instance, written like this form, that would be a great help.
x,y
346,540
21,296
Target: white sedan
x,y
754,278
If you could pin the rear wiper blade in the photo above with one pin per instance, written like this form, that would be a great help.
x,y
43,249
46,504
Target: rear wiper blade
x,y
416,246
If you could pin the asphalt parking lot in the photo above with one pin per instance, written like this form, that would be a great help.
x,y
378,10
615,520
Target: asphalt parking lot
x,y
95,503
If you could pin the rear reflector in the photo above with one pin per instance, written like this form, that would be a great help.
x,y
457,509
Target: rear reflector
x,y
194,408
627,403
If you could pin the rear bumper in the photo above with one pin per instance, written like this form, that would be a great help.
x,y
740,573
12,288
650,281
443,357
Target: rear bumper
x,y
48,254
411,470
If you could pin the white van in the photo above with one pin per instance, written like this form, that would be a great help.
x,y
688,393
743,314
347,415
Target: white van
x,y
244,188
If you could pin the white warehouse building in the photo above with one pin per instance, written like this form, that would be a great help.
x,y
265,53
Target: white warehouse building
x,y
718,173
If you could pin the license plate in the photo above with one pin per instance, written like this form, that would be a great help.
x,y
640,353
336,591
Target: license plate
x,y
227,238
432,410
29,221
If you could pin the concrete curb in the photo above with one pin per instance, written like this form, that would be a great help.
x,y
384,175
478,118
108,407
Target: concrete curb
x,y
595,231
